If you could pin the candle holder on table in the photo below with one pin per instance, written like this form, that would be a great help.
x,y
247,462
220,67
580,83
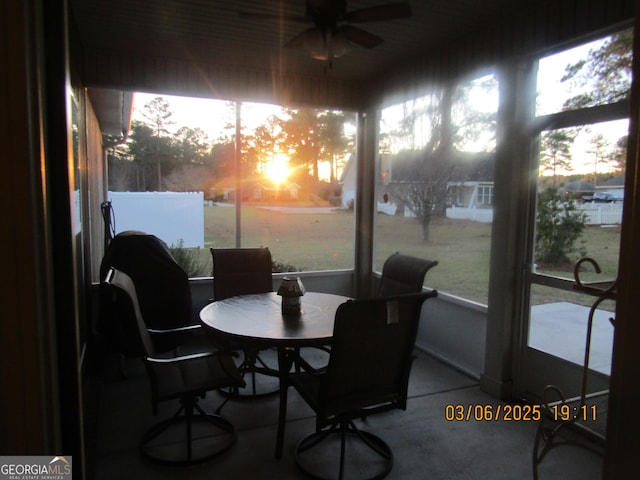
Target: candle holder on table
x,y
291,289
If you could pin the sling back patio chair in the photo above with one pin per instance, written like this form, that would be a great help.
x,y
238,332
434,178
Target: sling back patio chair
x,y
243,271
368,373
403,274
191,435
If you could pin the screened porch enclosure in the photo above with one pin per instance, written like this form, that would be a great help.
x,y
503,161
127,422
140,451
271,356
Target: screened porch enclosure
x,y
384,218
449,99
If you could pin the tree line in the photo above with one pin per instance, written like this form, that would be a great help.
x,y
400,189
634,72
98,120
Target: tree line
x,y
160,157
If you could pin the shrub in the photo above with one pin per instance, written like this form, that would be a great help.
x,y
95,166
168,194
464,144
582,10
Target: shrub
x,y
189,259
559,225
280,267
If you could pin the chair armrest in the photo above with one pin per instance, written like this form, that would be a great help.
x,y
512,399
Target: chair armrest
x,y
186,328
191,356
226,363
181,358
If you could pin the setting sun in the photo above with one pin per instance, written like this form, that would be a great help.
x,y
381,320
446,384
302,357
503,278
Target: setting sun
x,y
278,168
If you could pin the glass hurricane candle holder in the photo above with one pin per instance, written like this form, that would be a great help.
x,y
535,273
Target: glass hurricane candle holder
x,y
291,289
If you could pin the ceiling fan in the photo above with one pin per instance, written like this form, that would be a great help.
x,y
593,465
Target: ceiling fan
x,y
332,33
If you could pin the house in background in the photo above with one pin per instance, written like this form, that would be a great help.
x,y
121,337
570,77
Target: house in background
x,y
468,179
614,186
223,191
348,181
576,189
280,192
470,194
255,191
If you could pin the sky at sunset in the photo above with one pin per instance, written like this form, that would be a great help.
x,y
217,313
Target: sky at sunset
x,y
212,115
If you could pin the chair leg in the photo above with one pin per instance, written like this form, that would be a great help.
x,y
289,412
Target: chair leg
x,y
168,449
253,374
343,442
188,414
373,442
224,402
342,430
252,365
161,427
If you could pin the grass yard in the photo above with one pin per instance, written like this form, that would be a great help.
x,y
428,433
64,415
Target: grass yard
x,y
602,243
324,241
310,241
460,246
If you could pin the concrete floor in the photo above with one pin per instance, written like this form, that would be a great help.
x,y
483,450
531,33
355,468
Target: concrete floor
x,y
561,328
424,443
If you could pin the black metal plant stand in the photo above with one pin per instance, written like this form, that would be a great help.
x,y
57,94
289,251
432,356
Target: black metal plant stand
x,y
581,420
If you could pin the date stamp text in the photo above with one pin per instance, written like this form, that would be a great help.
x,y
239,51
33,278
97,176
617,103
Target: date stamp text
x,y
492,413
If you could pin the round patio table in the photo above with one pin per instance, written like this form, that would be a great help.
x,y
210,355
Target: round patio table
x,y
257,320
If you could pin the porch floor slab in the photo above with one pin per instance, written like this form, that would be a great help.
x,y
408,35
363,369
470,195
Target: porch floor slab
x,y
424,442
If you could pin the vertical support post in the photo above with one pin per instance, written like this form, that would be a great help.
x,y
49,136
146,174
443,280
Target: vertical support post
x,y
366,154
238,174
510,248
623,422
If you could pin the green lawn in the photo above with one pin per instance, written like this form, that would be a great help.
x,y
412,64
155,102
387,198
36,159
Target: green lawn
x,y
319,241
310,241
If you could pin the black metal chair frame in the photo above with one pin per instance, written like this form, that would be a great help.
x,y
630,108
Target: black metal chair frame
x,y
587,428
186,378
243,271
368,373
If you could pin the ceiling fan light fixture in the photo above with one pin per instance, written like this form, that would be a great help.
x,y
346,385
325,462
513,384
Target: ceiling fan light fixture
x,y
340,44
332,35
315,44
325,45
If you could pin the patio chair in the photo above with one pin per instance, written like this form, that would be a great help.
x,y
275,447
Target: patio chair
x,y
403,274
368,373
186,378
243,271
162,288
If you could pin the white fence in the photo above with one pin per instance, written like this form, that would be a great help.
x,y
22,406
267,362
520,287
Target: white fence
x,y
175,216
596,213
170,216
602,213
483,215
388,208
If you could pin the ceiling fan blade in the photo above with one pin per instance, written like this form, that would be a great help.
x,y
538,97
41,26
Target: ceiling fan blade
x,y
304,37
390,11
360,37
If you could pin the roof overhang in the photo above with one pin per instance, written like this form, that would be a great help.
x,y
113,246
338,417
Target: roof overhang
x,y
113,109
